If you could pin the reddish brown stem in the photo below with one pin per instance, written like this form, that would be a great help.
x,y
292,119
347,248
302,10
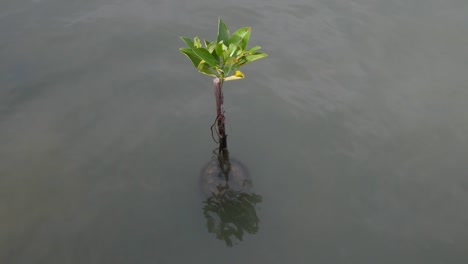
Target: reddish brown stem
x,y
218,90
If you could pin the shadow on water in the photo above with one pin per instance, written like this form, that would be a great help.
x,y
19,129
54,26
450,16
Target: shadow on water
x,y
230,209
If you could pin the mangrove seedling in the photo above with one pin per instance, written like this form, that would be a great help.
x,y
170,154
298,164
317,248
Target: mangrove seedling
x,y
220,58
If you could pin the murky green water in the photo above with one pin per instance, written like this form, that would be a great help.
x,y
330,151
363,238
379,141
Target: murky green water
x,y
354,131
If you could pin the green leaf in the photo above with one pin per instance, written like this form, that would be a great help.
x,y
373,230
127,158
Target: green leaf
x,y
227,68
240,37
192,56
220,72
232,49
205,70
219,49
235,67
211,47
201,65
252,49
225,53
245,40
223,32
255,56
188,41
241,61
205,55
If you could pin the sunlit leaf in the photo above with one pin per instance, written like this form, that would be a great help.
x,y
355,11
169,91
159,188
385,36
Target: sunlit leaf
x,y
223,32
196,42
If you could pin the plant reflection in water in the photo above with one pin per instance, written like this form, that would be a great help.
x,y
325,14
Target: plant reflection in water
x,y
230,209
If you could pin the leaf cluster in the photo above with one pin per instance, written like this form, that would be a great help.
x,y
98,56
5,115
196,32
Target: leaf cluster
x,y
224,55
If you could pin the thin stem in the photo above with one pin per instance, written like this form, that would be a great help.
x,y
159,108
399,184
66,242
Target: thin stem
x,y
218,90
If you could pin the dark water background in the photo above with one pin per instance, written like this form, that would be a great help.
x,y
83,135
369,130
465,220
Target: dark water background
x,y
354,130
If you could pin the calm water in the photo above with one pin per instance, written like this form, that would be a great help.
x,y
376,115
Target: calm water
x,y
354,130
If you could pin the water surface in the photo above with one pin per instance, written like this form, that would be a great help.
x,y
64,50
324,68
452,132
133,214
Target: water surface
x,y
354,131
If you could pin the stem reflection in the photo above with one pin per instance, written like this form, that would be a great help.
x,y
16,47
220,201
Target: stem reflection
x,y
230,209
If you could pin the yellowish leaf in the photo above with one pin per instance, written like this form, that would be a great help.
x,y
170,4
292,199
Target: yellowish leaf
x,y
236,76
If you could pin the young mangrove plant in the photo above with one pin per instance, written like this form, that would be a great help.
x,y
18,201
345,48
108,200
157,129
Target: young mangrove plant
x,y
220,58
